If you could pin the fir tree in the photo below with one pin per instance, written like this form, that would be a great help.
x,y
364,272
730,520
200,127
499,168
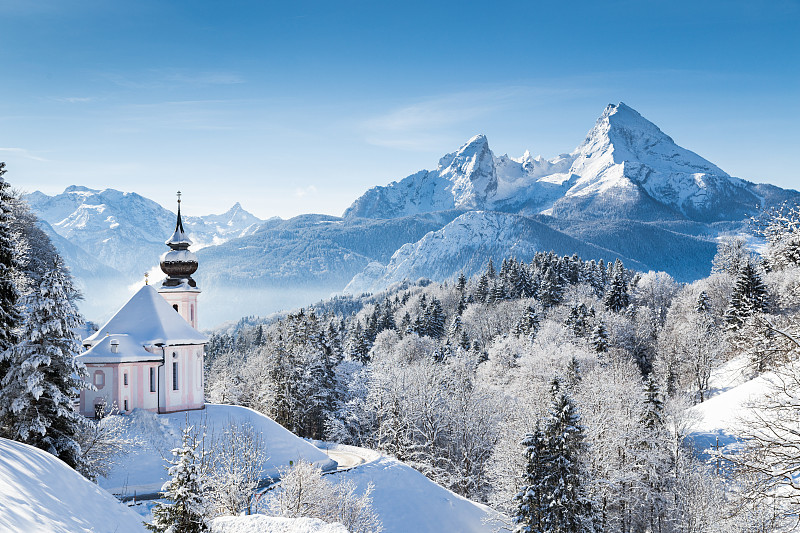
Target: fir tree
x,y
749,297
703,304
578,319
567,507
43,376
528,323
10,317
532,497
550,289
600,338
617,297
184,512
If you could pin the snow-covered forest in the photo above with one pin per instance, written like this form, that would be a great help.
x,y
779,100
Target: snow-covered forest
x,y
560,392
557,391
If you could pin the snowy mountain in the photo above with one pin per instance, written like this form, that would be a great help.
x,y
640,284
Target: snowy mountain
x,y
466,244
625,168
628,190
126,231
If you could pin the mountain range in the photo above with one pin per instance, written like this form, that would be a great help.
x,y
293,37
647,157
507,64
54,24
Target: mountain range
x,y
627,191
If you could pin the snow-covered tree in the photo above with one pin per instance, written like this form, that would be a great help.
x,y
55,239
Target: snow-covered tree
x,y
235,468
43,377
185,508
10,315
617,297
749,297
532,499
303,492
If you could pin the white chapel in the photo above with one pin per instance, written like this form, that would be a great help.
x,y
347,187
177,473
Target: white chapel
x,y
149,355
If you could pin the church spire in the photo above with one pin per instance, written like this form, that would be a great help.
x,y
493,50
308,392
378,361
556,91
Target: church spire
x,y
179,263
179,240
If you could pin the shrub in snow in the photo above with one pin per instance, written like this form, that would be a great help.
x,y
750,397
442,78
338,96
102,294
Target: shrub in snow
x,y
305,493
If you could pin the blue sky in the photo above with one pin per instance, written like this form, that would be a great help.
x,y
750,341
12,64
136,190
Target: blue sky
x,y
298,107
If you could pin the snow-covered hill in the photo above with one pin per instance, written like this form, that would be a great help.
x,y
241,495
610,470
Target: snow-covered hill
x,y
41,494
142,470
406,500
625,168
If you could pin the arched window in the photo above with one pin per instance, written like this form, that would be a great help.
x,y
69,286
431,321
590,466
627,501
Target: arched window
x,y
175,307
191,313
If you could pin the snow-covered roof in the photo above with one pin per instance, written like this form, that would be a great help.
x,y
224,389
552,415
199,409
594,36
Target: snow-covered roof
x,y
149,320
127,351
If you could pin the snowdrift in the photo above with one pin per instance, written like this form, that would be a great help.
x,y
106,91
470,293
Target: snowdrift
x,y
39,493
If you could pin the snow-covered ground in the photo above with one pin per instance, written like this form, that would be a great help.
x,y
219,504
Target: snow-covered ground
x,y
734,388
406,500
39,493
143,470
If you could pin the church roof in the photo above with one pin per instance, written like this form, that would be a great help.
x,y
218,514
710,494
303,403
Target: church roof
x,y
127,351
148,320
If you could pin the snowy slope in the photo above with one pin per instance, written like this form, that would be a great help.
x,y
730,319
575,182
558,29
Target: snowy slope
x,y
142,471
406,500
466,244
39,493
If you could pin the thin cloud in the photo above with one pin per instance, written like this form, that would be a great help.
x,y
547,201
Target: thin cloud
x,y
302,192
22,152
420,124
75,99
160,79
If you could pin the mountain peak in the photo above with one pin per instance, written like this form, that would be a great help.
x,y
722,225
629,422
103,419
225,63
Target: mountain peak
x,y
79,188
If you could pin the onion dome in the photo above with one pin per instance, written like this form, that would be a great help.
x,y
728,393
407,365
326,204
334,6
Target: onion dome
x,y
179,263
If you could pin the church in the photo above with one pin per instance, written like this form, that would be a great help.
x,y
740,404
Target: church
x,y
149,355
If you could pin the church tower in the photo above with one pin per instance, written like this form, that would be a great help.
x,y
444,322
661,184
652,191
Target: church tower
x,y
179,289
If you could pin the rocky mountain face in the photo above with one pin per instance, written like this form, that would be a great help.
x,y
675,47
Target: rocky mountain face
x,y
626,168
627,191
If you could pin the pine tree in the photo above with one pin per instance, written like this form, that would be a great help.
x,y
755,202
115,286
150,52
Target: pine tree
x,y
550,289
600,338
532,497
703,304
10,317
617,297
578,319
749,297
567,507
185,510
43,376
528,323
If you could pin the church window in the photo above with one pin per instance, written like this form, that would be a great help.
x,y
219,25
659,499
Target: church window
x,y
152,379
175,307
99,379
191,313
175,376
126,405
125,379
199,374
